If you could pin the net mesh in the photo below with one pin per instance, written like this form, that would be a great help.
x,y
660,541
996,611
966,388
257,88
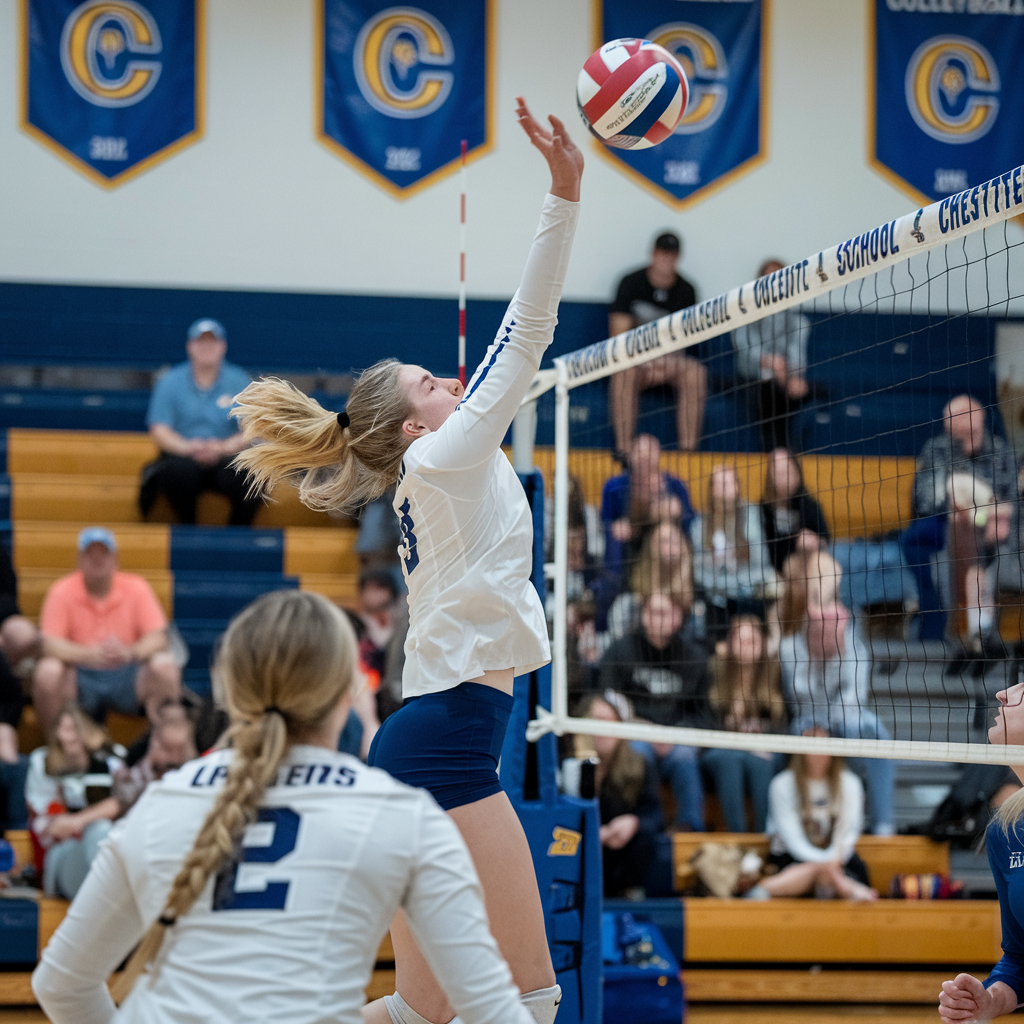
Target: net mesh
x,y
837,566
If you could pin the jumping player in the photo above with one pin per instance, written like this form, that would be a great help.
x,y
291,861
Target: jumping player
x,y
282,924
475,618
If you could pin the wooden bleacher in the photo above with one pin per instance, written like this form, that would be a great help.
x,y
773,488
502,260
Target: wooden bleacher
x,y
105,466
859,495
792,950
62,480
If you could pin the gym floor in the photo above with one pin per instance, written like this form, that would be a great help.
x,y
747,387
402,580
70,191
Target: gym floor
x,y
707,1014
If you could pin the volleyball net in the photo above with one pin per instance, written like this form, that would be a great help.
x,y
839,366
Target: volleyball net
x,y
860,598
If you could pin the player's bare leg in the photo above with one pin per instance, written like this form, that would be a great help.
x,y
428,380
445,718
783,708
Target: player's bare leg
x,y
691,384
502,858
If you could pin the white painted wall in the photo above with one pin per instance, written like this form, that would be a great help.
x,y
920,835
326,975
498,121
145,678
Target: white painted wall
x,y
260,204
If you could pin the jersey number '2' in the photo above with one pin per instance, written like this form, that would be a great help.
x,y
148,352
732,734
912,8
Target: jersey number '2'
x,y
285,823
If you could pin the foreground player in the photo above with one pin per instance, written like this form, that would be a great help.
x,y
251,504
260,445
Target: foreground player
x,y
965,998
290,934
475,618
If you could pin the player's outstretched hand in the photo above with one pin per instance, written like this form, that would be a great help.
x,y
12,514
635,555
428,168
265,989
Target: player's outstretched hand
x,y
966,999
561,153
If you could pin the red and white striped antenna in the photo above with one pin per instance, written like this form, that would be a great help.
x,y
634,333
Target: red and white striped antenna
x,y
462,272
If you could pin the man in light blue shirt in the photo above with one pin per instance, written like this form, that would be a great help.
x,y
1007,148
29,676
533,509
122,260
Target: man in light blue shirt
x,y
188,419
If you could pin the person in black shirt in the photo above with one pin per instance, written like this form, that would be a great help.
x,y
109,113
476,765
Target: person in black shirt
x,y
645,295
666,678
791,518
630,807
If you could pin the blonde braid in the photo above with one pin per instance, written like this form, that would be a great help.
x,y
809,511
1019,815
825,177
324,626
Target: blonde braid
x,y
284,664
260,747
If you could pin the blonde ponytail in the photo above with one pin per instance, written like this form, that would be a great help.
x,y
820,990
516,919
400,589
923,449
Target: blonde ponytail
x,y
336,469
284,664
1010,811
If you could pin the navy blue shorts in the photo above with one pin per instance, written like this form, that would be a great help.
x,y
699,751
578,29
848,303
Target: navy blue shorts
x,y
447,743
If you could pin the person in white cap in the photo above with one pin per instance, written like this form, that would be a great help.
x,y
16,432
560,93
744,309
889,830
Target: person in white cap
x,y
104,640
188,419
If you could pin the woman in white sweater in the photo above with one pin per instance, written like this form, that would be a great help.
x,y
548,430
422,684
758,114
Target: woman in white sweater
x,y
815,817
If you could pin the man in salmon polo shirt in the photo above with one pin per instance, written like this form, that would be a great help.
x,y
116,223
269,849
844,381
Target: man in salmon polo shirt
x,y
104,640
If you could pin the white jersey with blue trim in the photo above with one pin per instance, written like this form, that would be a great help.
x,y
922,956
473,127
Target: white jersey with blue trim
x,y
289,934
467,548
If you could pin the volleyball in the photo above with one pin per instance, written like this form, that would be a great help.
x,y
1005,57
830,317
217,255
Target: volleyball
x,y
632,93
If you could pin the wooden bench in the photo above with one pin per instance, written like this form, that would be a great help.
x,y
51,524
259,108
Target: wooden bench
x,y
858,494
784,950
885,856
105,466
141,547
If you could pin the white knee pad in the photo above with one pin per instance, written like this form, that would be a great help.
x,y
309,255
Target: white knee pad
x,y
401,1012
543,1003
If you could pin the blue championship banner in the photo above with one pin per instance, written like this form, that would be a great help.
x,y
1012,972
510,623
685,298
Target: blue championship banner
x,y
401,87
113,86
723,49
948,93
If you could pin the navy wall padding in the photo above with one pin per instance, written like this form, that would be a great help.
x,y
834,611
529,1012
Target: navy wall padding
x,y
5,496
267,331
67,409
207,595
226,549
569,881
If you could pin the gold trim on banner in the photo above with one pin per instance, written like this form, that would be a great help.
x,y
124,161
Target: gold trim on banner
x,y
363,168
165,153
874,163
723,180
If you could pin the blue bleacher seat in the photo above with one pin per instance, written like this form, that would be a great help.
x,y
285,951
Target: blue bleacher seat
x,y
219,595
226,549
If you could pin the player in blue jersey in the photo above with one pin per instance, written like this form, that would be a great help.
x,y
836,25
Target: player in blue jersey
x,y
965,998
475,618
262,878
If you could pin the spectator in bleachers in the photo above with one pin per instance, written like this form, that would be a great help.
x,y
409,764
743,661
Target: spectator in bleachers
x,y
172,743
745,697
666,678
730,561
19,638
771,356
105,642
189,420
627,792
645,295
826,671
792,519
633,502
69,818
665,564
964,482
815,817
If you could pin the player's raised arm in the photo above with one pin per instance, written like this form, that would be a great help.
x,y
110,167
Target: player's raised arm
x,y
501,381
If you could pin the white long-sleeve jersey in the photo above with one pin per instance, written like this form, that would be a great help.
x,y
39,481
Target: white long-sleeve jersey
x,y
291,933
786,828
466,527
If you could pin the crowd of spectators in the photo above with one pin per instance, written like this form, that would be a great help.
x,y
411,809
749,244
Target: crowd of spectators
x,y
730,619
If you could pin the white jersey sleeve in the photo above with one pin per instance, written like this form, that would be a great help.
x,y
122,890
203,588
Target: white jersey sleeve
x,y
467,532
291,933
474,432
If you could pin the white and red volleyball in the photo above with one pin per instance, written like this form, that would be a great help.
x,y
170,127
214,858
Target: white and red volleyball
x,y
632,93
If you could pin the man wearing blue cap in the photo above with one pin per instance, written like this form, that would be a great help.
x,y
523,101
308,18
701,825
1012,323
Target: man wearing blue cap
x,y
188,419
104,640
